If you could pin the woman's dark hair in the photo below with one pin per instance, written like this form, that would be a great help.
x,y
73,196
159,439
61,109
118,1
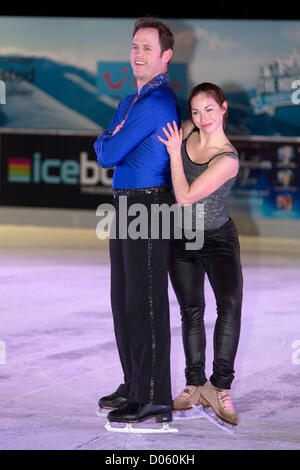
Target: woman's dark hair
x,y
166,37
212,90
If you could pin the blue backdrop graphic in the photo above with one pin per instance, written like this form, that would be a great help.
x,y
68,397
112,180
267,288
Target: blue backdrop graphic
x,y
74,74
117,80
71,73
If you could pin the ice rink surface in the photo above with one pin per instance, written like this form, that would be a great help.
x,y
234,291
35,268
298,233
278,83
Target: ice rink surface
x,y
58,352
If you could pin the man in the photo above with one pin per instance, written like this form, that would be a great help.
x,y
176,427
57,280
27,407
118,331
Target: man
x,y
139,279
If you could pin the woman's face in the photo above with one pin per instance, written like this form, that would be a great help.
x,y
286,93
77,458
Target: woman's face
x,y
206,113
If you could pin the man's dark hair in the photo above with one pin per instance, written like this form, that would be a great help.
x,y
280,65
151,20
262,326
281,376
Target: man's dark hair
x,y
166,37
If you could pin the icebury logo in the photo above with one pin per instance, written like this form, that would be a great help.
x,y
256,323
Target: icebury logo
x,y
133,222
56,171
2,92
2,352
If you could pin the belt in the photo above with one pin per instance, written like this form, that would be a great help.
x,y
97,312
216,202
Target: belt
x,y
136,191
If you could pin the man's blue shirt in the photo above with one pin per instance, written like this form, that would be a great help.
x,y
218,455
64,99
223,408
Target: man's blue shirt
x,y
139,158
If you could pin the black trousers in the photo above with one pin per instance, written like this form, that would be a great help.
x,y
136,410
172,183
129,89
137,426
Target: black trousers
x,y
219,258
140,306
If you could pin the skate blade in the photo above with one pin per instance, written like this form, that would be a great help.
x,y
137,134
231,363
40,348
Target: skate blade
x,y
180,415
128,428
213,418
102,413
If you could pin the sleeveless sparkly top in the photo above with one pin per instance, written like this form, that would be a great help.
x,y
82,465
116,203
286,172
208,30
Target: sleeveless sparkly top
x,y
216,211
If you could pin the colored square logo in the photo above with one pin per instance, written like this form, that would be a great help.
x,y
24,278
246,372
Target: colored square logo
x,y
19,170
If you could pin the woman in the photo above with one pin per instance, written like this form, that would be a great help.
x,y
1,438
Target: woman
x,y
204,166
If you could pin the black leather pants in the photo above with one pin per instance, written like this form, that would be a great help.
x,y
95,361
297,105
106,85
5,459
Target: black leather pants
x,y
219,258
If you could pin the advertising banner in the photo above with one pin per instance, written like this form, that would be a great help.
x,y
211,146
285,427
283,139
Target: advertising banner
x,y
268,184
61,170
51,170
70,73
61,80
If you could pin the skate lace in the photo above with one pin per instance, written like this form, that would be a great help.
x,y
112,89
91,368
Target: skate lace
x,y
186,392
226,401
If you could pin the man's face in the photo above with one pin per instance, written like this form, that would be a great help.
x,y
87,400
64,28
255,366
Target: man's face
x,y
145,57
